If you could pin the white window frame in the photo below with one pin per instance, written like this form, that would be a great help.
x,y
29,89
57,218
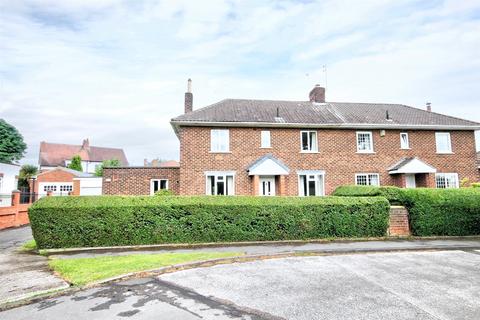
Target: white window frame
x,y
152,181
224,175
217,144
404,144
369,133
265,139
449,140
367,179
316,177
456,183
309,141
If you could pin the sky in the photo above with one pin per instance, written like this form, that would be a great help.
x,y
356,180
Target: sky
x,y
116,71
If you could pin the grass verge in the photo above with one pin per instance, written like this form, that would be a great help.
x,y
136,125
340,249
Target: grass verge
x,y
81,271
29,246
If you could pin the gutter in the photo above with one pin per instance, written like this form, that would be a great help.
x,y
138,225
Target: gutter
x,y
176,124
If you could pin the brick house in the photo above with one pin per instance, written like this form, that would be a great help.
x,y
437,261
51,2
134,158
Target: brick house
x,y
267,147
53,155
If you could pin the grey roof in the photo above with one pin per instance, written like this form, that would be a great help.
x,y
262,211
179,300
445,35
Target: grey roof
x,y
400,163
267,157
329,113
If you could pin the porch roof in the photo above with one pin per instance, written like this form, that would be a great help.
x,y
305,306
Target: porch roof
x,y
411,165
268,165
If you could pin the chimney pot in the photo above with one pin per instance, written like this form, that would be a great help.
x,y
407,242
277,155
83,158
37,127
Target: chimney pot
x,y
429,107
189,97
317,94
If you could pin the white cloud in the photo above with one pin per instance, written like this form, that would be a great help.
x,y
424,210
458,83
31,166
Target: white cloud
x,y
116,71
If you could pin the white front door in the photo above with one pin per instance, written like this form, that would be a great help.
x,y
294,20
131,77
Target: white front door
x,y
410,181
267,186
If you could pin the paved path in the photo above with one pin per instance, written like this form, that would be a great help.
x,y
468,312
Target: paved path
x,y
402,285
326,247
22,274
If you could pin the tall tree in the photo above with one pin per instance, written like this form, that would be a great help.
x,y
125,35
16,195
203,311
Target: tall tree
x,y
76,163
106,163
26,173
12,147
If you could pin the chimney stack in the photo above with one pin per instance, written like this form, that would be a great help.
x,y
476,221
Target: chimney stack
x,y
189,97
429,107
85,144
317,94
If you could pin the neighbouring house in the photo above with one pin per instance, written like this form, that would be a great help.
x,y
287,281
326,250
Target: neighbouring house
x,y
62,181
144,180
8,182
478,160
53,155
308,148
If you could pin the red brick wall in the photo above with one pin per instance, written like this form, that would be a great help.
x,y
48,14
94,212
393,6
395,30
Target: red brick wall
x,y
136,180
54,175
337,156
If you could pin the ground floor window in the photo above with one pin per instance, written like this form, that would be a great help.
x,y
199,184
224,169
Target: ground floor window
x,y
311,183
367,179
158,184
446,180
220,183
66,188
52,188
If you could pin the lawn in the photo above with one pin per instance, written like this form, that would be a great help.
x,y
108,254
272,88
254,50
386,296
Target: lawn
x,y
81,271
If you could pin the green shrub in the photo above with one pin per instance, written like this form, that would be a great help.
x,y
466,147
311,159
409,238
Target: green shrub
x,y
475,185
393,194
164,192
443,212
115,220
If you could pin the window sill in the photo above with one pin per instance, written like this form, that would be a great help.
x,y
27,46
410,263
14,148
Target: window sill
x,y
309,151
445,153
266,148
222,152
405,148
366,152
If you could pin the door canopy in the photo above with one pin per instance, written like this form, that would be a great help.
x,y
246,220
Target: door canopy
x,y
268,165
411,165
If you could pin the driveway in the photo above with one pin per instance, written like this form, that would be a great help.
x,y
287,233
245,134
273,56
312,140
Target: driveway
x,y
401,285
23,274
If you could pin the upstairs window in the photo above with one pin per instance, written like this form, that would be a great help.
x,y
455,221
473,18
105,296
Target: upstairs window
x,y
220,184
364,142
219,140
404,143
265,137
446,180
367,179
309,141
444,144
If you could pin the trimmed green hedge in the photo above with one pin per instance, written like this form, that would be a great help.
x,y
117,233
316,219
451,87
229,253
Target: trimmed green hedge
x,y
393,194
115,220
443,212
432,212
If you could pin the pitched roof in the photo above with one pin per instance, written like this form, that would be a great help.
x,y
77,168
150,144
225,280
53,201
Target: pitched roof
x,y
411,165
55,154
76,173
268,165
334,114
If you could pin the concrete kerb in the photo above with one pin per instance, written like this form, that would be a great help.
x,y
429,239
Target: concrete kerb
x,y
38,296
67,251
